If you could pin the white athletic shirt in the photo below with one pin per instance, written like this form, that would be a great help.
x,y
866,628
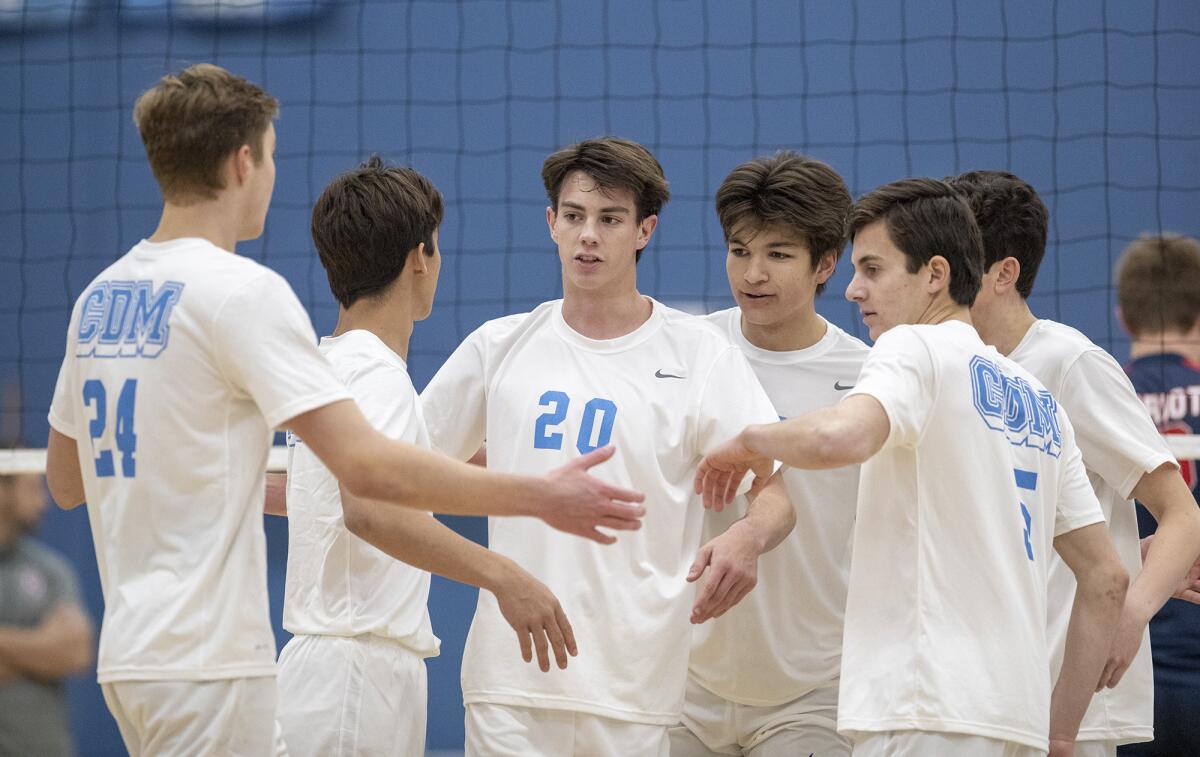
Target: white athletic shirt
x,y
957,513
181,359
541,394
785,638
1119,444
338,584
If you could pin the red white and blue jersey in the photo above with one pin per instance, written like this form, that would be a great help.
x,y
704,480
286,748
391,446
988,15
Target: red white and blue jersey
x,y
1169,385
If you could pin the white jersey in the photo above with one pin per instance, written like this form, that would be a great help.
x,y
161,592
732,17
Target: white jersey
x,y
542,394
957,513
338,584
1119,444
181,360
785,638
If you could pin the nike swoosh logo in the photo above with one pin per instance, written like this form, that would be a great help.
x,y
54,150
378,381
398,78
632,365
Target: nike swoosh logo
x,y
840,387
660,374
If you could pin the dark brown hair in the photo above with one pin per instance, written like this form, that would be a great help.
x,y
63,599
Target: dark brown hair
x,y
924,218
791,192
1012,219
613,163
192,121
1158,284
367,222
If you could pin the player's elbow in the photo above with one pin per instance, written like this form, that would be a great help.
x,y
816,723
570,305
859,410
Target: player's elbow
x,y
837,443
357,516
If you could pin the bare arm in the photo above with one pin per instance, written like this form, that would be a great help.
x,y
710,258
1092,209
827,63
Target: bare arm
x,y
1168,560
63,477
731,559
1101,585
1188,589
421,541
371,466
275,502
845,434
61,645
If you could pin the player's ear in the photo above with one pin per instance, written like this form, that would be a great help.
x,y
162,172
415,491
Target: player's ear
x,y
825,266
550,216
416,258
242,163
939,274
645,228
1007,274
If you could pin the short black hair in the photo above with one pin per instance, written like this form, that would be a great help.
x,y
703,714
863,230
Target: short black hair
x,y
367,221
792,192
1012,219
924,218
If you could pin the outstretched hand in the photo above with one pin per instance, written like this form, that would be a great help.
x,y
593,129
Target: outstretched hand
x,y
578,503
721,472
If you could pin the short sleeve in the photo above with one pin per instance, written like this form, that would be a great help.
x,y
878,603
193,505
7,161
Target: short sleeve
x,y
266,347
730,399
1114,432
388,401
900,373
62,406
1076,505
455,401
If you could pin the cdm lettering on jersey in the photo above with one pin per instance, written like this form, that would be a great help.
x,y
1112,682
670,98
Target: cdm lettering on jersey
x,y
126,319
1028,417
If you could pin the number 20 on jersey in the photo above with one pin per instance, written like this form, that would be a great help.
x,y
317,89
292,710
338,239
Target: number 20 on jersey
x,y
595,427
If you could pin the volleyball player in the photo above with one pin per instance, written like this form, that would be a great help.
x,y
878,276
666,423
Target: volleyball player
x,y
180,360
970,474
763,678
603,364
1123,452
360,617
1158,289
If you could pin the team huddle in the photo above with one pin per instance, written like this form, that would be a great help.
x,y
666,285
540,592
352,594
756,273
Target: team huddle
x,y
744,533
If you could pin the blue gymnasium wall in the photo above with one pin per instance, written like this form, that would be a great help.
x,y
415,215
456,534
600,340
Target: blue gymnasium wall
x,y
1095,103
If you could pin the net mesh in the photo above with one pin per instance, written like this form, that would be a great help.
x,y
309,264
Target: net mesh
x,y
1094,103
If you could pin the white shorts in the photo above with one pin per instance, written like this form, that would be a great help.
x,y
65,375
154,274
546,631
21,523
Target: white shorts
x,y
351,695
497,730
235,716
1096,748
926,743
713,725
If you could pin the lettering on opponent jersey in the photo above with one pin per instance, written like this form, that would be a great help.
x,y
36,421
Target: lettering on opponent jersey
x,y
1010,404
126,319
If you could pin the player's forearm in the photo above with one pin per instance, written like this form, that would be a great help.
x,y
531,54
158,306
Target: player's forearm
x,y
1176,543
1094,615
420,540
770,516
426,480
821,439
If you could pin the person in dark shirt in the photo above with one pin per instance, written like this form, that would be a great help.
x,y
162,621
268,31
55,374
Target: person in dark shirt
x,y
45,635
1158,288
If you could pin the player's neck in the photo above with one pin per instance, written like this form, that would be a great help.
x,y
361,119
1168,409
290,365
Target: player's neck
x,y
605,315
204,220
1011,323
942,309
786,336
381,318
1172,342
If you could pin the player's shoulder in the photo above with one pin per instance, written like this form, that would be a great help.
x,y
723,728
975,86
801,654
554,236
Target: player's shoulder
x,y
506,326
1059,339
360,352
705,331
844,343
